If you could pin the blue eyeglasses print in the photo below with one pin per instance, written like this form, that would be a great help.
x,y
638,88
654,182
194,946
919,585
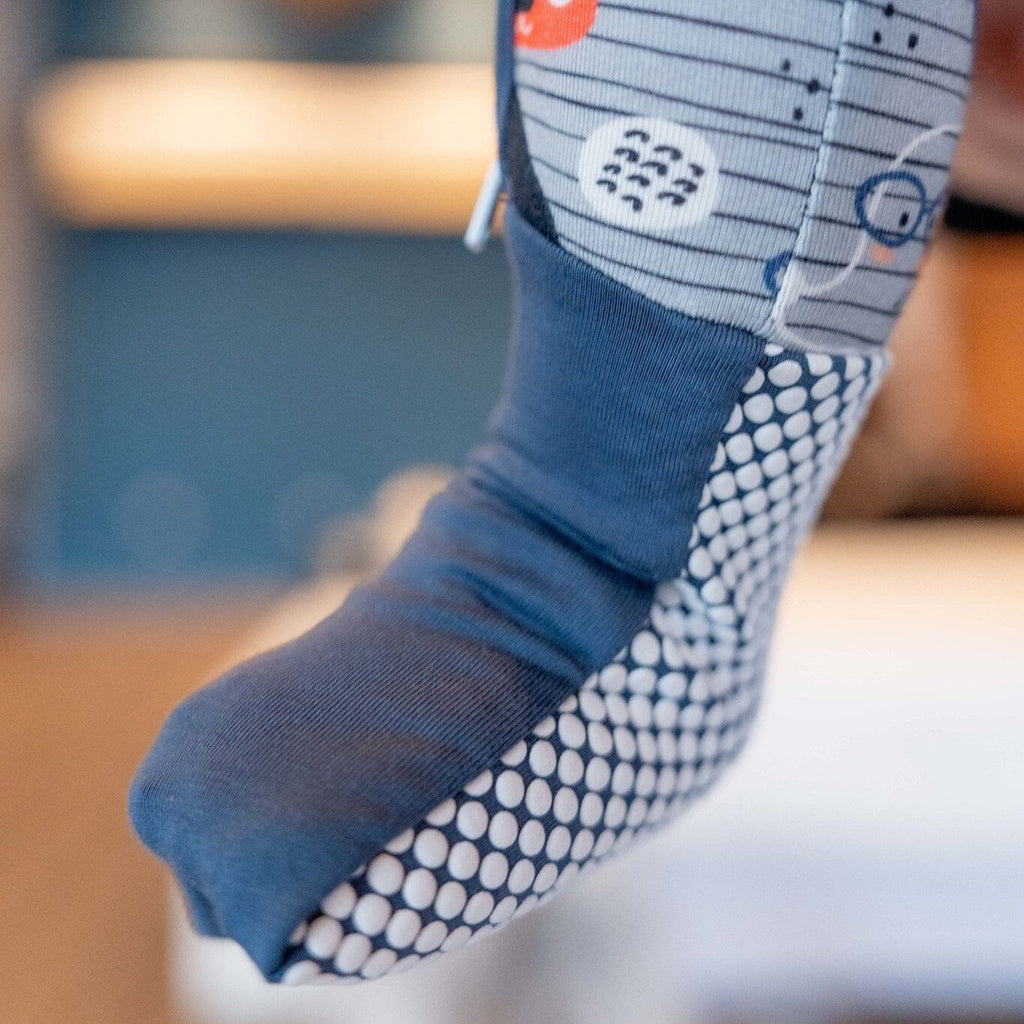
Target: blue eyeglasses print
x,y
785,280
923,210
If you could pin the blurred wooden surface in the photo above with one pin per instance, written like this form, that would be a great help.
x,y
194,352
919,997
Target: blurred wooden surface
x,y
177,143
82,694
991,292
946,432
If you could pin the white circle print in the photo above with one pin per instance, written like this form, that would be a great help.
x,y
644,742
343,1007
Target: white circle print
x,y
646,173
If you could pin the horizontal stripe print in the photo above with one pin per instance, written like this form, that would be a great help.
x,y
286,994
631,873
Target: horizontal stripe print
x,y
800,103
903,72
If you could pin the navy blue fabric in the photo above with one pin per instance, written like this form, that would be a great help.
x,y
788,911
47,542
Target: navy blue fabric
x,y
503,62
286,774
528,573
267,787
521,184
611,408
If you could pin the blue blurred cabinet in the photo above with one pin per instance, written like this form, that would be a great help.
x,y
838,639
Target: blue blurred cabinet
x,y
219,397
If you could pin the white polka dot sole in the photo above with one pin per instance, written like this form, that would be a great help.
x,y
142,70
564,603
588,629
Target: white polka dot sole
x,y
644,736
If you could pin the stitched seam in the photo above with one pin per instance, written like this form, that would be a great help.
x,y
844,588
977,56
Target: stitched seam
x,y
827,135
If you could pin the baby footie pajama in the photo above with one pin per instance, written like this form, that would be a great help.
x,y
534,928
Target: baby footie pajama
x,y
716,212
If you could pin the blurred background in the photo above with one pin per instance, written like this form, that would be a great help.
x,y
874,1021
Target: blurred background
x,y
240,340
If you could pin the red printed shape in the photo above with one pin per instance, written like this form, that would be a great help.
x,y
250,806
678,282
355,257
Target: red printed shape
x,y
553,24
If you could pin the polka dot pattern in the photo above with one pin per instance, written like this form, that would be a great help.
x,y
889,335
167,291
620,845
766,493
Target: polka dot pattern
x,y
645,735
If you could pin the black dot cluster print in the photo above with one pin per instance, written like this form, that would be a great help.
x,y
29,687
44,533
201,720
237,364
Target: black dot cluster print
x,y
642,172
812,86
882,37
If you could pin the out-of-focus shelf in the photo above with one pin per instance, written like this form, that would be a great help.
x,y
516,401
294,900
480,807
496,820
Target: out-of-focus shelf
x,y
180,143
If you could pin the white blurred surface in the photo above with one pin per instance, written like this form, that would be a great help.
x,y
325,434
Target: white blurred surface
x,y
865,854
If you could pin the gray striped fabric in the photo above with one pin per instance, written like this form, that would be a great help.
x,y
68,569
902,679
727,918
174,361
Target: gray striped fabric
x,y
773,166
